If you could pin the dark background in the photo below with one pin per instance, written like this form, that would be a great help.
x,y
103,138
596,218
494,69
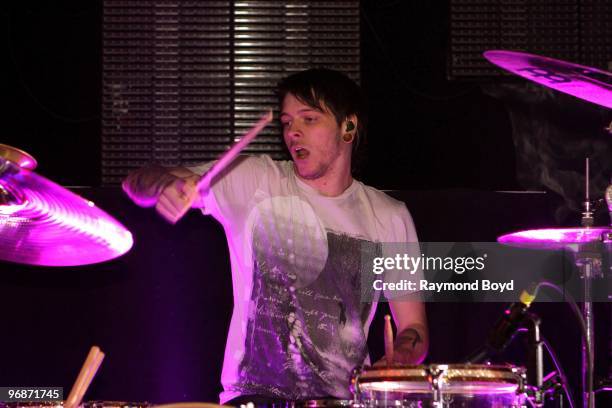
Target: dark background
x,y
426,131
161,312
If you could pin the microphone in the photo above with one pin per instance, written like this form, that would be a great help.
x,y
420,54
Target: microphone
x,y
505,328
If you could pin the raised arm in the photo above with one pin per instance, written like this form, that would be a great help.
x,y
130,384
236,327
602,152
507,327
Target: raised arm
x,y
172,190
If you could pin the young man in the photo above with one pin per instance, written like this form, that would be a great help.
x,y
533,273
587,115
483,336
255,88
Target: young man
x,y
296,232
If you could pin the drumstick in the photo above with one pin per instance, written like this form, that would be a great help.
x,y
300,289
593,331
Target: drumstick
x,y
388,340
91,373
91,365
81,377
230,155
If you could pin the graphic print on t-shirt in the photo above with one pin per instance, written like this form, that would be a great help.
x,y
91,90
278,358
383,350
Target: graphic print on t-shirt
x,y
305,330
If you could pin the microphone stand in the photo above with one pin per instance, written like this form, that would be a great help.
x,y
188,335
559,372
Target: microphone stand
x,y
538,386
535,359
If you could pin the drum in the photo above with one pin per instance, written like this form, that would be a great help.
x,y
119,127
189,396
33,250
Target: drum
x,y
114,404
37,404
191,405
439,385
85,404
325,403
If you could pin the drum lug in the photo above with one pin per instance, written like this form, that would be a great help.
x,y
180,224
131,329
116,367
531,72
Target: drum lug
x,y
433,377
355,386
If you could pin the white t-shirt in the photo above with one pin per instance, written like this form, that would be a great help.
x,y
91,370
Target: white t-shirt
x,y
299,325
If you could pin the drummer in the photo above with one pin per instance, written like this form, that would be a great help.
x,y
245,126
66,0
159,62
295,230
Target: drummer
x,y
296,230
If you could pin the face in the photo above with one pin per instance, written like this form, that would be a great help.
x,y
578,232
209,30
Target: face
x,y
313,139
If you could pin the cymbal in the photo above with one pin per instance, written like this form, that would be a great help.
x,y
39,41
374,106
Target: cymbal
x,y
591,84
42,223
554,238
17,156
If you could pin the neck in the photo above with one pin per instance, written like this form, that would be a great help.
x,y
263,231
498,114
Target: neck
x,y
332,183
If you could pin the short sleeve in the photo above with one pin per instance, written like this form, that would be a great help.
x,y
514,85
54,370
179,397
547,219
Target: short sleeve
x,y
234,186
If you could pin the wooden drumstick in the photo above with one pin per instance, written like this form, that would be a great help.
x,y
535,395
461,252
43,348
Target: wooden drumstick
x,y
226,158
90,375
88,371
388,341
230,155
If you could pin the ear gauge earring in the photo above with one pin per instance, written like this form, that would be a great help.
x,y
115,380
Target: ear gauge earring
x,y
347,137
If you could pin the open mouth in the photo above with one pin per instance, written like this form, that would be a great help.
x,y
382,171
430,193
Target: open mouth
x,y
300,152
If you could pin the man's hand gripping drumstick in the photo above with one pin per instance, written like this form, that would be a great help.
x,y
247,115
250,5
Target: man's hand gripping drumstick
x,y
407,348
388,336
173,191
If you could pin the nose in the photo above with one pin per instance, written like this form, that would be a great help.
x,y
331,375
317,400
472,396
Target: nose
x,y
292,130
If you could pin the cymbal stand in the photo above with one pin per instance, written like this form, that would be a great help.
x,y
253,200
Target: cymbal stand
x,y
588,260
606,384
608,197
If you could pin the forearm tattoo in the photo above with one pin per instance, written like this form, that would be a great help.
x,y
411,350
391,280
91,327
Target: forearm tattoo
x,y
150,181
408,339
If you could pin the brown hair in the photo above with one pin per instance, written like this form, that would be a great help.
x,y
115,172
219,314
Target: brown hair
x,y
322,88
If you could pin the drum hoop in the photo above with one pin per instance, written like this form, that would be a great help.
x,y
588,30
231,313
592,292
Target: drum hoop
x,y
325,402
450,373
390,374
115,404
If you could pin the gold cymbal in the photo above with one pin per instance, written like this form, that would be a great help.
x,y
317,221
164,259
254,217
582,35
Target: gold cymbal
x,y
18,156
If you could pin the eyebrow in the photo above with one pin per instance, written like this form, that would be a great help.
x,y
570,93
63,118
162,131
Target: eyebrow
x,y
305,110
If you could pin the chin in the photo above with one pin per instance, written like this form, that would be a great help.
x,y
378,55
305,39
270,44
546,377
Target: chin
x,y
308,174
